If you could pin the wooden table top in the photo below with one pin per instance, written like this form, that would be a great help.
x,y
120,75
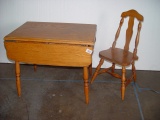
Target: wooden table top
x,y
70,33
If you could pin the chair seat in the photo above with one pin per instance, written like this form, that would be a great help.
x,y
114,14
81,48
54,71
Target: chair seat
x,y
118,56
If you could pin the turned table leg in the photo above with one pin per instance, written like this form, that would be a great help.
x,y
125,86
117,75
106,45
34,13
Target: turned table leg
x,y
35,67
90,69
86,88
18,83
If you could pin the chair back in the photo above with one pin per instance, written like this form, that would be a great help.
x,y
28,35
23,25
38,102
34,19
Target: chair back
x,y
132,14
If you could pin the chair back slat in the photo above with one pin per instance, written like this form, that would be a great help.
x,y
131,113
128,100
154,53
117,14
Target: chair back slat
x,y
137,39
117,33
129,33
132,14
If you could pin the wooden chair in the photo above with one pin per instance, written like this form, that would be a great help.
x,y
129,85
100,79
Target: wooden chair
x,y
122,57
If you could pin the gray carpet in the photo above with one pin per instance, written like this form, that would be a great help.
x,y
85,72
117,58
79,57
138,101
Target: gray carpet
x,y
56,93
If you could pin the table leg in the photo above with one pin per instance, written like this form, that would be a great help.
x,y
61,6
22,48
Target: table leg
x,y
90,69
35,67
86,88
18,83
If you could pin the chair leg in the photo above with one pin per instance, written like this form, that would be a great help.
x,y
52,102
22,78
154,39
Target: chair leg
x,y
97,70
134,72
113,67
123,82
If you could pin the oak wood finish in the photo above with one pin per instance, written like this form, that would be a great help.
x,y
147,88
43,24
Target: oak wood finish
x,y
18,82
122,57
57,44
49,54
86,87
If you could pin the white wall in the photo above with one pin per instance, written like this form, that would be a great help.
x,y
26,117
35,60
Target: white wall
x,y
104,13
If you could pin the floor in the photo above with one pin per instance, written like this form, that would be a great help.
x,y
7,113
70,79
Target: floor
x,y
56,93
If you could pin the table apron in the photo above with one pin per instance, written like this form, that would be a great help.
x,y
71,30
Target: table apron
x,y
49,54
